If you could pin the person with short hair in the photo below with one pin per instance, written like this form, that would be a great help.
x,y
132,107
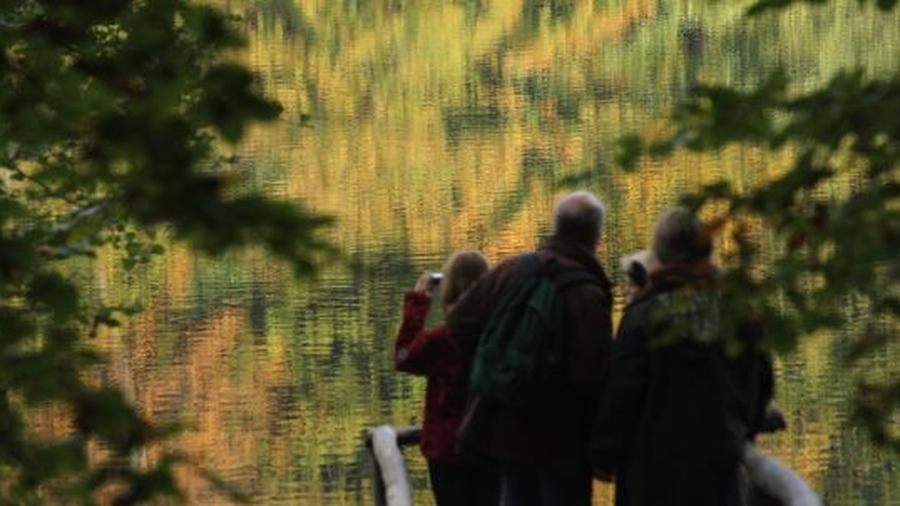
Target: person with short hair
x,y
541,450
455,480
678,409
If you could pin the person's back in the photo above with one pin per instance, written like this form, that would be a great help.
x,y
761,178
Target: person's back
x,y
678,409
541,446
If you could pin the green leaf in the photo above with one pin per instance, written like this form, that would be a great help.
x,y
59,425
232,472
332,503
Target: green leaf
x,y
55,293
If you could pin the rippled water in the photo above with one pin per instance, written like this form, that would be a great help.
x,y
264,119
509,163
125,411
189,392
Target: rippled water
x,y
428,126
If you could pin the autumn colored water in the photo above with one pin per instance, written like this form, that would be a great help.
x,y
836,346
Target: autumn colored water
x,y
427,126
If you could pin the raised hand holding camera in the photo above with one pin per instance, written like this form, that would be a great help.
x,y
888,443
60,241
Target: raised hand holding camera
x,y
428,282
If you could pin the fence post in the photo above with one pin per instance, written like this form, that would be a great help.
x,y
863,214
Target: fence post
x,y
378,492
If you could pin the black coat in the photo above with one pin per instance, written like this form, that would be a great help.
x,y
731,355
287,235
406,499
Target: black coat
x,y
677,409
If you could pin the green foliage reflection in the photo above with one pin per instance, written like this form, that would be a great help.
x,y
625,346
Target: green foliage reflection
x,y
835,244
109,114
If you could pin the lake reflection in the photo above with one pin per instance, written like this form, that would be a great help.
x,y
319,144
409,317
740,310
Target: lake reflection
x,y
428,126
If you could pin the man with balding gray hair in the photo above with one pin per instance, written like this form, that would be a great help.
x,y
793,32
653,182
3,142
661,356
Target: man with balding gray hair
x,y
540,443
579,218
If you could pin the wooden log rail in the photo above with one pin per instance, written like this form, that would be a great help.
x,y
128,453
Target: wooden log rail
x,y
772,482
390,486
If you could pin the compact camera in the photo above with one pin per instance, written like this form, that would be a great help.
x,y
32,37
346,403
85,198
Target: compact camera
x,y
435,278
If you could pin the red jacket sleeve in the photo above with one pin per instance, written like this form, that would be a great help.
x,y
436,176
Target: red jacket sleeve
x,y
419,350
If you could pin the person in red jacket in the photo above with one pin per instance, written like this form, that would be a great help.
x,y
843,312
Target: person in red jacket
x,y
429,352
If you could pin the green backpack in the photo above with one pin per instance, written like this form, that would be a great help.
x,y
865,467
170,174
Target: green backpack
x,y
520,355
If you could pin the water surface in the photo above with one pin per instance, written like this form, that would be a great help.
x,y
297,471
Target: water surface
x,y
429,126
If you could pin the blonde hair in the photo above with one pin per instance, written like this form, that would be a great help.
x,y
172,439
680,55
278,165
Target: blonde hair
x,y
461,271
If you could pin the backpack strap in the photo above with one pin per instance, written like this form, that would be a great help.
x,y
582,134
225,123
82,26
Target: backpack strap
x,y
532,265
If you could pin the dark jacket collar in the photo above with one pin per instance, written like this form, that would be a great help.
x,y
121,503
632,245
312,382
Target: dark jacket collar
x,y
672,277
582,255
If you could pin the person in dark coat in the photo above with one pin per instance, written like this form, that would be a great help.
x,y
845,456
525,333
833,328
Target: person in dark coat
x,y
678,409
542,452
455,480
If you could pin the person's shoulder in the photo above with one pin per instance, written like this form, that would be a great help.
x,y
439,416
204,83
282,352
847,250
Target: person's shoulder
x,y
593,289
508,266
489,285
517,259
640,307
584,281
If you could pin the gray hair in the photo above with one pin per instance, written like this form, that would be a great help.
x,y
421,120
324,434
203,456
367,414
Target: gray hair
x,y
579,217
680,237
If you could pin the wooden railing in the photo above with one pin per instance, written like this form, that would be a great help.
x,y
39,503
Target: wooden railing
x,y
390,486
772,483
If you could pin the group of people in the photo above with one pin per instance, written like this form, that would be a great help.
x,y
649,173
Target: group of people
x,y
662,408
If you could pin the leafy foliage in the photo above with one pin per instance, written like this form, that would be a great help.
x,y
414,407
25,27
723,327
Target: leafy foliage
x,y
110,112
834,213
